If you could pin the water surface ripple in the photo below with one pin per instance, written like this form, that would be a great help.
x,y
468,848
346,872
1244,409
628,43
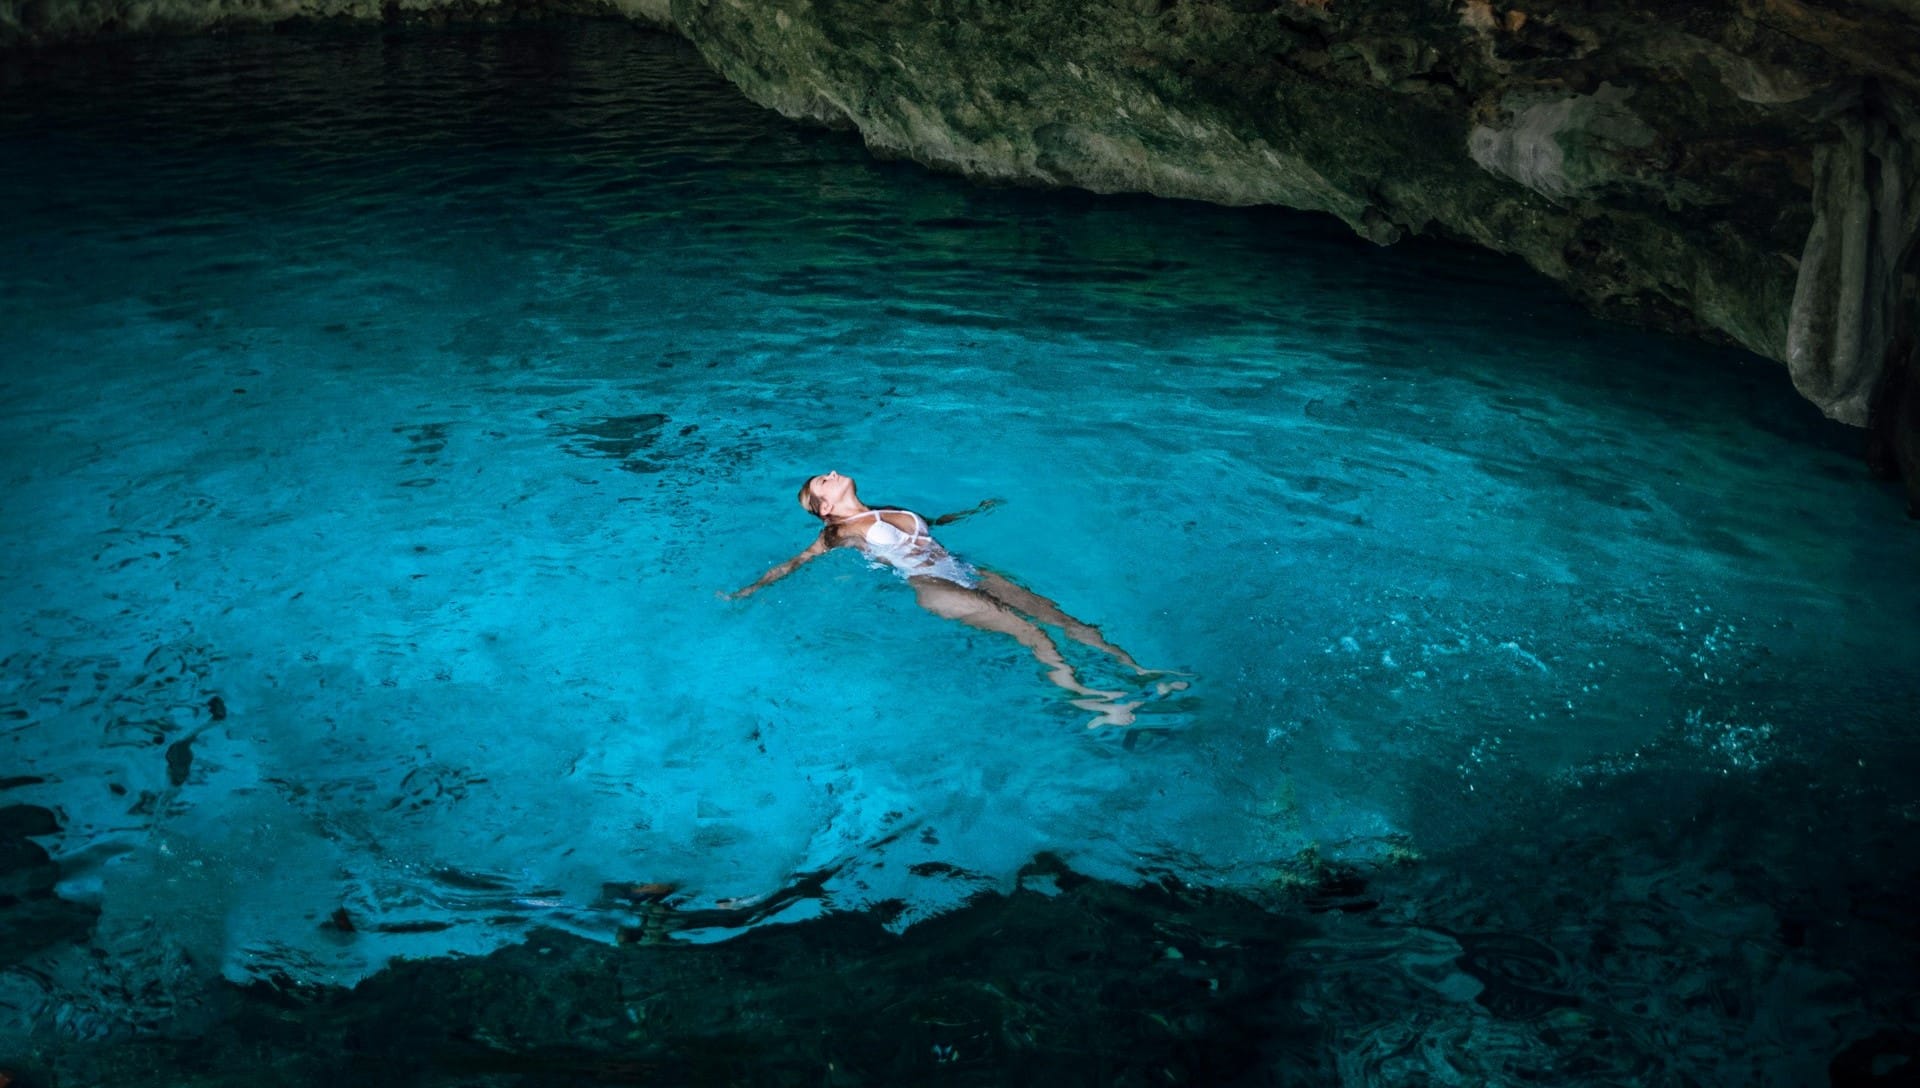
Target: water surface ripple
x,y
413,395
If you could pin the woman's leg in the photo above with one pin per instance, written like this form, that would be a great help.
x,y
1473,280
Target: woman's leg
x,y
1026,600
977,609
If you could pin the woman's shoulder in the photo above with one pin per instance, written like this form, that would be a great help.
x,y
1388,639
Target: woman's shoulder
x,y
849,529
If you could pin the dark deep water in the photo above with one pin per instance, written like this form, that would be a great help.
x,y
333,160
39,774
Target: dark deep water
x,y
383,411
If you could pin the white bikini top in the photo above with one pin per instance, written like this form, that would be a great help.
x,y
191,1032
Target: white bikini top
x,y
913,554
888,542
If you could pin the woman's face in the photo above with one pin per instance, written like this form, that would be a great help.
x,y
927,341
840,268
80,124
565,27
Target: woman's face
x,y
829,491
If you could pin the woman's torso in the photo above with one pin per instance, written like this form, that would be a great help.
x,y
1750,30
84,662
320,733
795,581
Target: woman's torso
x,y
901,540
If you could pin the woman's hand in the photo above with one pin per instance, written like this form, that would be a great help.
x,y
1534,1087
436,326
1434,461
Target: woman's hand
x,y
949,519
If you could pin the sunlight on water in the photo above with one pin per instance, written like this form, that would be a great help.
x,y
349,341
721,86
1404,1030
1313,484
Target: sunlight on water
x,y
384,416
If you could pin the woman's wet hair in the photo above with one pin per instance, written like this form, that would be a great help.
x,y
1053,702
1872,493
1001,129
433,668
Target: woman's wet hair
x,y
807,501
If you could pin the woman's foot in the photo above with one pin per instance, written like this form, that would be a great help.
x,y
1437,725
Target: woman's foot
x,y
1117,707
1107,712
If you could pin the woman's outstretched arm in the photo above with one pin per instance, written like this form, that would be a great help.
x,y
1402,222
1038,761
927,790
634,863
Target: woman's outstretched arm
x,y
949,519
814,550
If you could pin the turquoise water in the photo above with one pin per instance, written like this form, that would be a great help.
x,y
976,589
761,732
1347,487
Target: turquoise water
x,y
416,396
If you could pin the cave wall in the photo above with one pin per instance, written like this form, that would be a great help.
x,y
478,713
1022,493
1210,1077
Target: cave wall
x,y
29,24
1743,171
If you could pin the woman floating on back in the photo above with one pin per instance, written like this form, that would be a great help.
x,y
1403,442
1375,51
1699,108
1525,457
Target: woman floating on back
x,y
952,588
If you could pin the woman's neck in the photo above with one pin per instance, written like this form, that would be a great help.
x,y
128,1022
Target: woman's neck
x,y
853,508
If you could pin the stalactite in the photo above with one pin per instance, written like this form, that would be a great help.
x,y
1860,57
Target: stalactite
x,y
1866,198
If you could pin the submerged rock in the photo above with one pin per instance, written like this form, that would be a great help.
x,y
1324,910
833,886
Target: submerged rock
x,y
1091,982
32,917
180,761
1557,959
